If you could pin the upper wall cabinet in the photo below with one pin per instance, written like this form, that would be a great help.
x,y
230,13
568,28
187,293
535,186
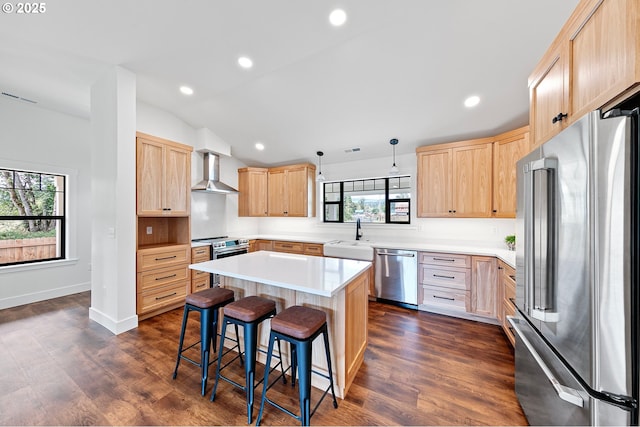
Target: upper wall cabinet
x,y
282,191
508,148
252,186
454,180
163,177
593,63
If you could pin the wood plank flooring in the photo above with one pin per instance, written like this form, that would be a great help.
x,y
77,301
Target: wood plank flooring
x,y
57,367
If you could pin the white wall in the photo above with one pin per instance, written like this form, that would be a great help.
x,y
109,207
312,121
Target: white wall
x,y
486,231
35,138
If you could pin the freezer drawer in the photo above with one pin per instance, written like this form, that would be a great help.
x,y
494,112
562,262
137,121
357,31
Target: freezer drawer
x,y
560,400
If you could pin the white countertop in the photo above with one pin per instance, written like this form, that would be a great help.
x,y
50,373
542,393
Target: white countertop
x,y
311,274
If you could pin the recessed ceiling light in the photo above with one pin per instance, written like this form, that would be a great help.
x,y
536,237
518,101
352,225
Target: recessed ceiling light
x,y
259,146
337,17
245,62
472,101
186,90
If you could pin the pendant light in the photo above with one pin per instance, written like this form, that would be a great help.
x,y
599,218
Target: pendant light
x,y
394,169
320,177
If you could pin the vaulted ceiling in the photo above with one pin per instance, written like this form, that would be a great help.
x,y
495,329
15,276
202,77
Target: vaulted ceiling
x,y
396,69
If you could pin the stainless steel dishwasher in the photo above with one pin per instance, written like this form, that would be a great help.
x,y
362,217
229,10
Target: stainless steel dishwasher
x,y
397,277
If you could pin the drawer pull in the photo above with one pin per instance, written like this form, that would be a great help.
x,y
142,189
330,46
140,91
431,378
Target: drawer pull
x,y
286,246
166,277
200,252
444,259
512,277
166,296
167,257
201,285
448,299
444,277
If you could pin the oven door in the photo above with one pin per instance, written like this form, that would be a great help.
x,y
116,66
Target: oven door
x,y
225,253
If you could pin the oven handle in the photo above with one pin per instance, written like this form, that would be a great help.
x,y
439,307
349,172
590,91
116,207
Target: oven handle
x,y
565,393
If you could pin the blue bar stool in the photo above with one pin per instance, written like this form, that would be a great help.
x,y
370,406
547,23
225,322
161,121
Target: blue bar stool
x,y
300,326
247,312
206,302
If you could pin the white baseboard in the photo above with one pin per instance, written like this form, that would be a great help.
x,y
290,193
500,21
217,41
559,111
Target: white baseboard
x,y
115,326
44,295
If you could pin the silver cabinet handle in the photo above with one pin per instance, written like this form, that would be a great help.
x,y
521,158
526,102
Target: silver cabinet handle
x,y
565,393
402,255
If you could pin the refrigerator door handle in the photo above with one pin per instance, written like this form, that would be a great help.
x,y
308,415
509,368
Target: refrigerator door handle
x,y
565,393
540,292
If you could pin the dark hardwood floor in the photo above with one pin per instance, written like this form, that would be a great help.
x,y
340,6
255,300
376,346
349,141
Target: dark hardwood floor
x,y
59,368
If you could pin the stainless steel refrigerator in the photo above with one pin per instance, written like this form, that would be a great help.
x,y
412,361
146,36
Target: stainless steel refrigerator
x,y
576,326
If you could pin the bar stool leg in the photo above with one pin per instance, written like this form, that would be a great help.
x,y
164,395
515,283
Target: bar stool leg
x,y
304,351
184,326
205,345
220,352
265,383
250,341
325,334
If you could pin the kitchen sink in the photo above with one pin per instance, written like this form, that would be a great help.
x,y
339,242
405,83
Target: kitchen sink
x,y
352,249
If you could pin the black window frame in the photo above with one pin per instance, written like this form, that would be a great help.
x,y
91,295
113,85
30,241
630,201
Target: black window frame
x,y
62,232
387,200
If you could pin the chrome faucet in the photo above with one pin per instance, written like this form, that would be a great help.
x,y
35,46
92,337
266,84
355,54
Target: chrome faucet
x,y
359,232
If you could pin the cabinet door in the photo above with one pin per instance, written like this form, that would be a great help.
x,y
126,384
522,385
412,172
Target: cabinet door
x,y
506,153
484,286
252,184
276,193
472,170
296,192
604,54
434,183
177,181
548,97
150,177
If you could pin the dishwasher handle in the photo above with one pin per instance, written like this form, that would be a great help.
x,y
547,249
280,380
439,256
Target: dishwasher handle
x,y
412,255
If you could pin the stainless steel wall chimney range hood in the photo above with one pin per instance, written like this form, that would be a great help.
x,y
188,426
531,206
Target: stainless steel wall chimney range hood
x,y
211,180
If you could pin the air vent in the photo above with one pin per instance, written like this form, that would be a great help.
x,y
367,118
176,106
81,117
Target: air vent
x,y
352,150
10,95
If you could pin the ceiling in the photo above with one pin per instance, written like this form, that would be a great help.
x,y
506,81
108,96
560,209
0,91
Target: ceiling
x,y
397,68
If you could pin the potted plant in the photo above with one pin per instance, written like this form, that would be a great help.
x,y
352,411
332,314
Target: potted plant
x,y
510,240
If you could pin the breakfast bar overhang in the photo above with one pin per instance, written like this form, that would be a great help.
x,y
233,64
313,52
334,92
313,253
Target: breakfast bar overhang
x,y
340,287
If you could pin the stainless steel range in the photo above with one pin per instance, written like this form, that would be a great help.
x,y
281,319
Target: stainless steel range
x,y
223,247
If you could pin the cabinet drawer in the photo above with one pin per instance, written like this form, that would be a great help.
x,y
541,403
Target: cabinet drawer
x,y
200,254
509,288
509,310
163,256
291,247
450,260
443,298
161,297
453,278
313,249
162,276
198,274
200,283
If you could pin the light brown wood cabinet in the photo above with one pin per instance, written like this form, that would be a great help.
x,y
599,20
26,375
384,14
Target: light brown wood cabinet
x,y
283,191
163,173
455,179
200,279
252,186
506,297
484,286
444,282
593,63
291,190
508,148
163,238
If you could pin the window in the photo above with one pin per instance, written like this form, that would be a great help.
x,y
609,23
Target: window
x,y
32,216
374,200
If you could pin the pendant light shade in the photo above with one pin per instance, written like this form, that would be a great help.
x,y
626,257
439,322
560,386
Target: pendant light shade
x,y
394,169
320,177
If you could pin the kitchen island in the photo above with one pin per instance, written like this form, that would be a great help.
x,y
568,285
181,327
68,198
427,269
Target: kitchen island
x,y
339,287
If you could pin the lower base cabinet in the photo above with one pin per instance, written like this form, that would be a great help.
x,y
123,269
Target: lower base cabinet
x,y
507,294
459,285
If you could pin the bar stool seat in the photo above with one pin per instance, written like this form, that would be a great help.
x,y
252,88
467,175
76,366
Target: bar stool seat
x,y
299,326
247,312
206,302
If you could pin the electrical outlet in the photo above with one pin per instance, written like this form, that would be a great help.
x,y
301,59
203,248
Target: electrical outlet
x,y
149,230
494,230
